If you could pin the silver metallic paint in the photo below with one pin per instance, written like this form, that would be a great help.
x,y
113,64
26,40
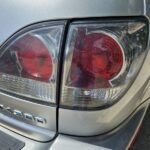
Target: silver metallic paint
x,y
34,130
16,14
117,139
121,137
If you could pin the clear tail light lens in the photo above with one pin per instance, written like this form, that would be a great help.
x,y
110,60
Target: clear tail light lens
x,y
28,65
101,61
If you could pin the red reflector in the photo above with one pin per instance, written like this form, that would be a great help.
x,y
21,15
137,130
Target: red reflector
x,y
34,58
97,58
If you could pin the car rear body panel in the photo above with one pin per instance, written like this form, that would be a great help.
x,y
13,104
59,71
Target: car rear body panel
x,y
18,14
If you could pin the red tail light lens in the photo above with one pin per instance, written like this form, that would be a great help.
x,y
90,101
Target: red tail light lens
x,y
101,61
28,65
34,57
97,56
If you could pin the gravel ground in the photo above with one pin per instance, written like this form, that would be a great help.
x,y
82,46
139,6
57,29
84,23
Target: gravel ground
x,y
143,139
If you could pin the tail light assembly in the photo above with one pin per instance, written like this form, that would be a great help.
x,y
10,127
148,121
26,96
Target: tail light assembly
x,y
28,65
101,61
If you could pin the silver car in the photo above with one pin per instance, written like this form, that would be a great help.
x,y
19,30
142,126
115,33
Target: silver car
x,y
74,74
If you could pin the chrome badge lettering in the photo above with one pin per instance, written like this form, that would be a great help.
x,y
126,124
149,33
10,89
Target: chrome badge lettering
x,y
23,115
